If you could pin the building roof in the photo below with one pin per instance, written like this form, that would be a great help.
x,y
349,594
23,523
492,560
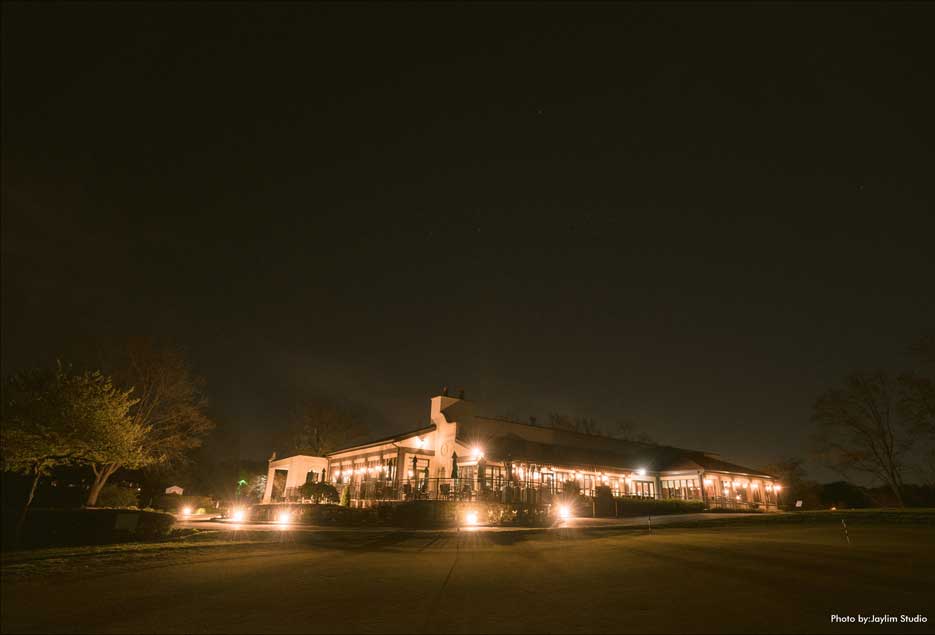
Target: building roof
x,y
504,439
396,437
707,462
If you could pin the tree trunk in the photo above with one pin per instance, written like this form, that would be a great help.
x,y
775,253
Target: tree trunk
x,y
896,487
100,479
21,523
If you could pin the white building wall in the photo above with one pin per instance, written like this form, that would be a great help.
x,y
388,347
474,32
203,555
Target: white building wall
x,y
297,468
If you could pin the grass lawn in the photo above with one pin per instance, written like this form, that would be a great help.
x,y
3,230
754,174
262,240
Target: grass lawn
x,y
761,577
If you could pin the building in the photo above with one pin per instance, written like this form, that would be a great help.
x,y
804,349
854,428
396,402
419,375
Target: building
x,y
498,458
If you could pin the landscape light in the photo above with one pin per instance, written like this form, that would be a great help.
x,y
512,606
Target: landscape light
x,y
470,518
564,512
186,511
238,515
284,518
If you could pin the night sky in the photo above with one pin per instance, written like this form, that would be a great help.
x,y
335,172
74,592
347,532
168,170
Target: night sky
x,y
694,218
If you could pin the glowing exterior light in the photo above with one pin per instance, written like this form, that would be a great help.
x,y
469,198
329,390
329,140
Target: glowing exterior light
x,y
707,481
420,442
238,515
470,518
284,518
641,472
186,511
564,512
777,488
477,453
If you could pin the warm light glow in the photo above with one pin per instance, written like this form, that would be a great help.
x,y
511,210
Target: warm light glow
x,y
477,453
564,512
238,515
284,518
641,472
186,511
707,481
755,485
470,518
420,442
777,487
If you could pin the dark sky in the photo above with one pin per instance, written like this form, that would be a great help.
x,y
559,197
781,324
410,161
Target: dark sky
x,y
693,217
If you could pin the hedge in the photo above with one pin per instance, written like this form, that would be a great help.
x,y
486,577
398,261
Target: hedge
x,y
633,506
92,526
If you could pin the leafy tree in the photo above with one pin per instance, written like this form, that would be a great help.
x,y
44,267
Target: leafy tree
x,y
171,407
53,417
862,429
319,428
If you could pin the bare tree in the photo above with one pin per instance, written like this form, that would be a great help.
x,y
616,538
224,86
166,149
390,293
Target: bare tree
x,y
917,388
171,406
585,425
861,429
319,427
627,431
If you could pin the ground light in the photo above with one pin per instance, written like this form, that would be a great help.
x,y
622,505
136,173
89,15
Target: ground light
x,y
238,515
564,512
284,518
186,511
470,518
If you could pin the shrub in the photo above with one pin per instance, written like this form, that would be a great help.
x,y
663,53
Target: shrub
x,y
319,491
604,502
113,495
633,506
346,496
